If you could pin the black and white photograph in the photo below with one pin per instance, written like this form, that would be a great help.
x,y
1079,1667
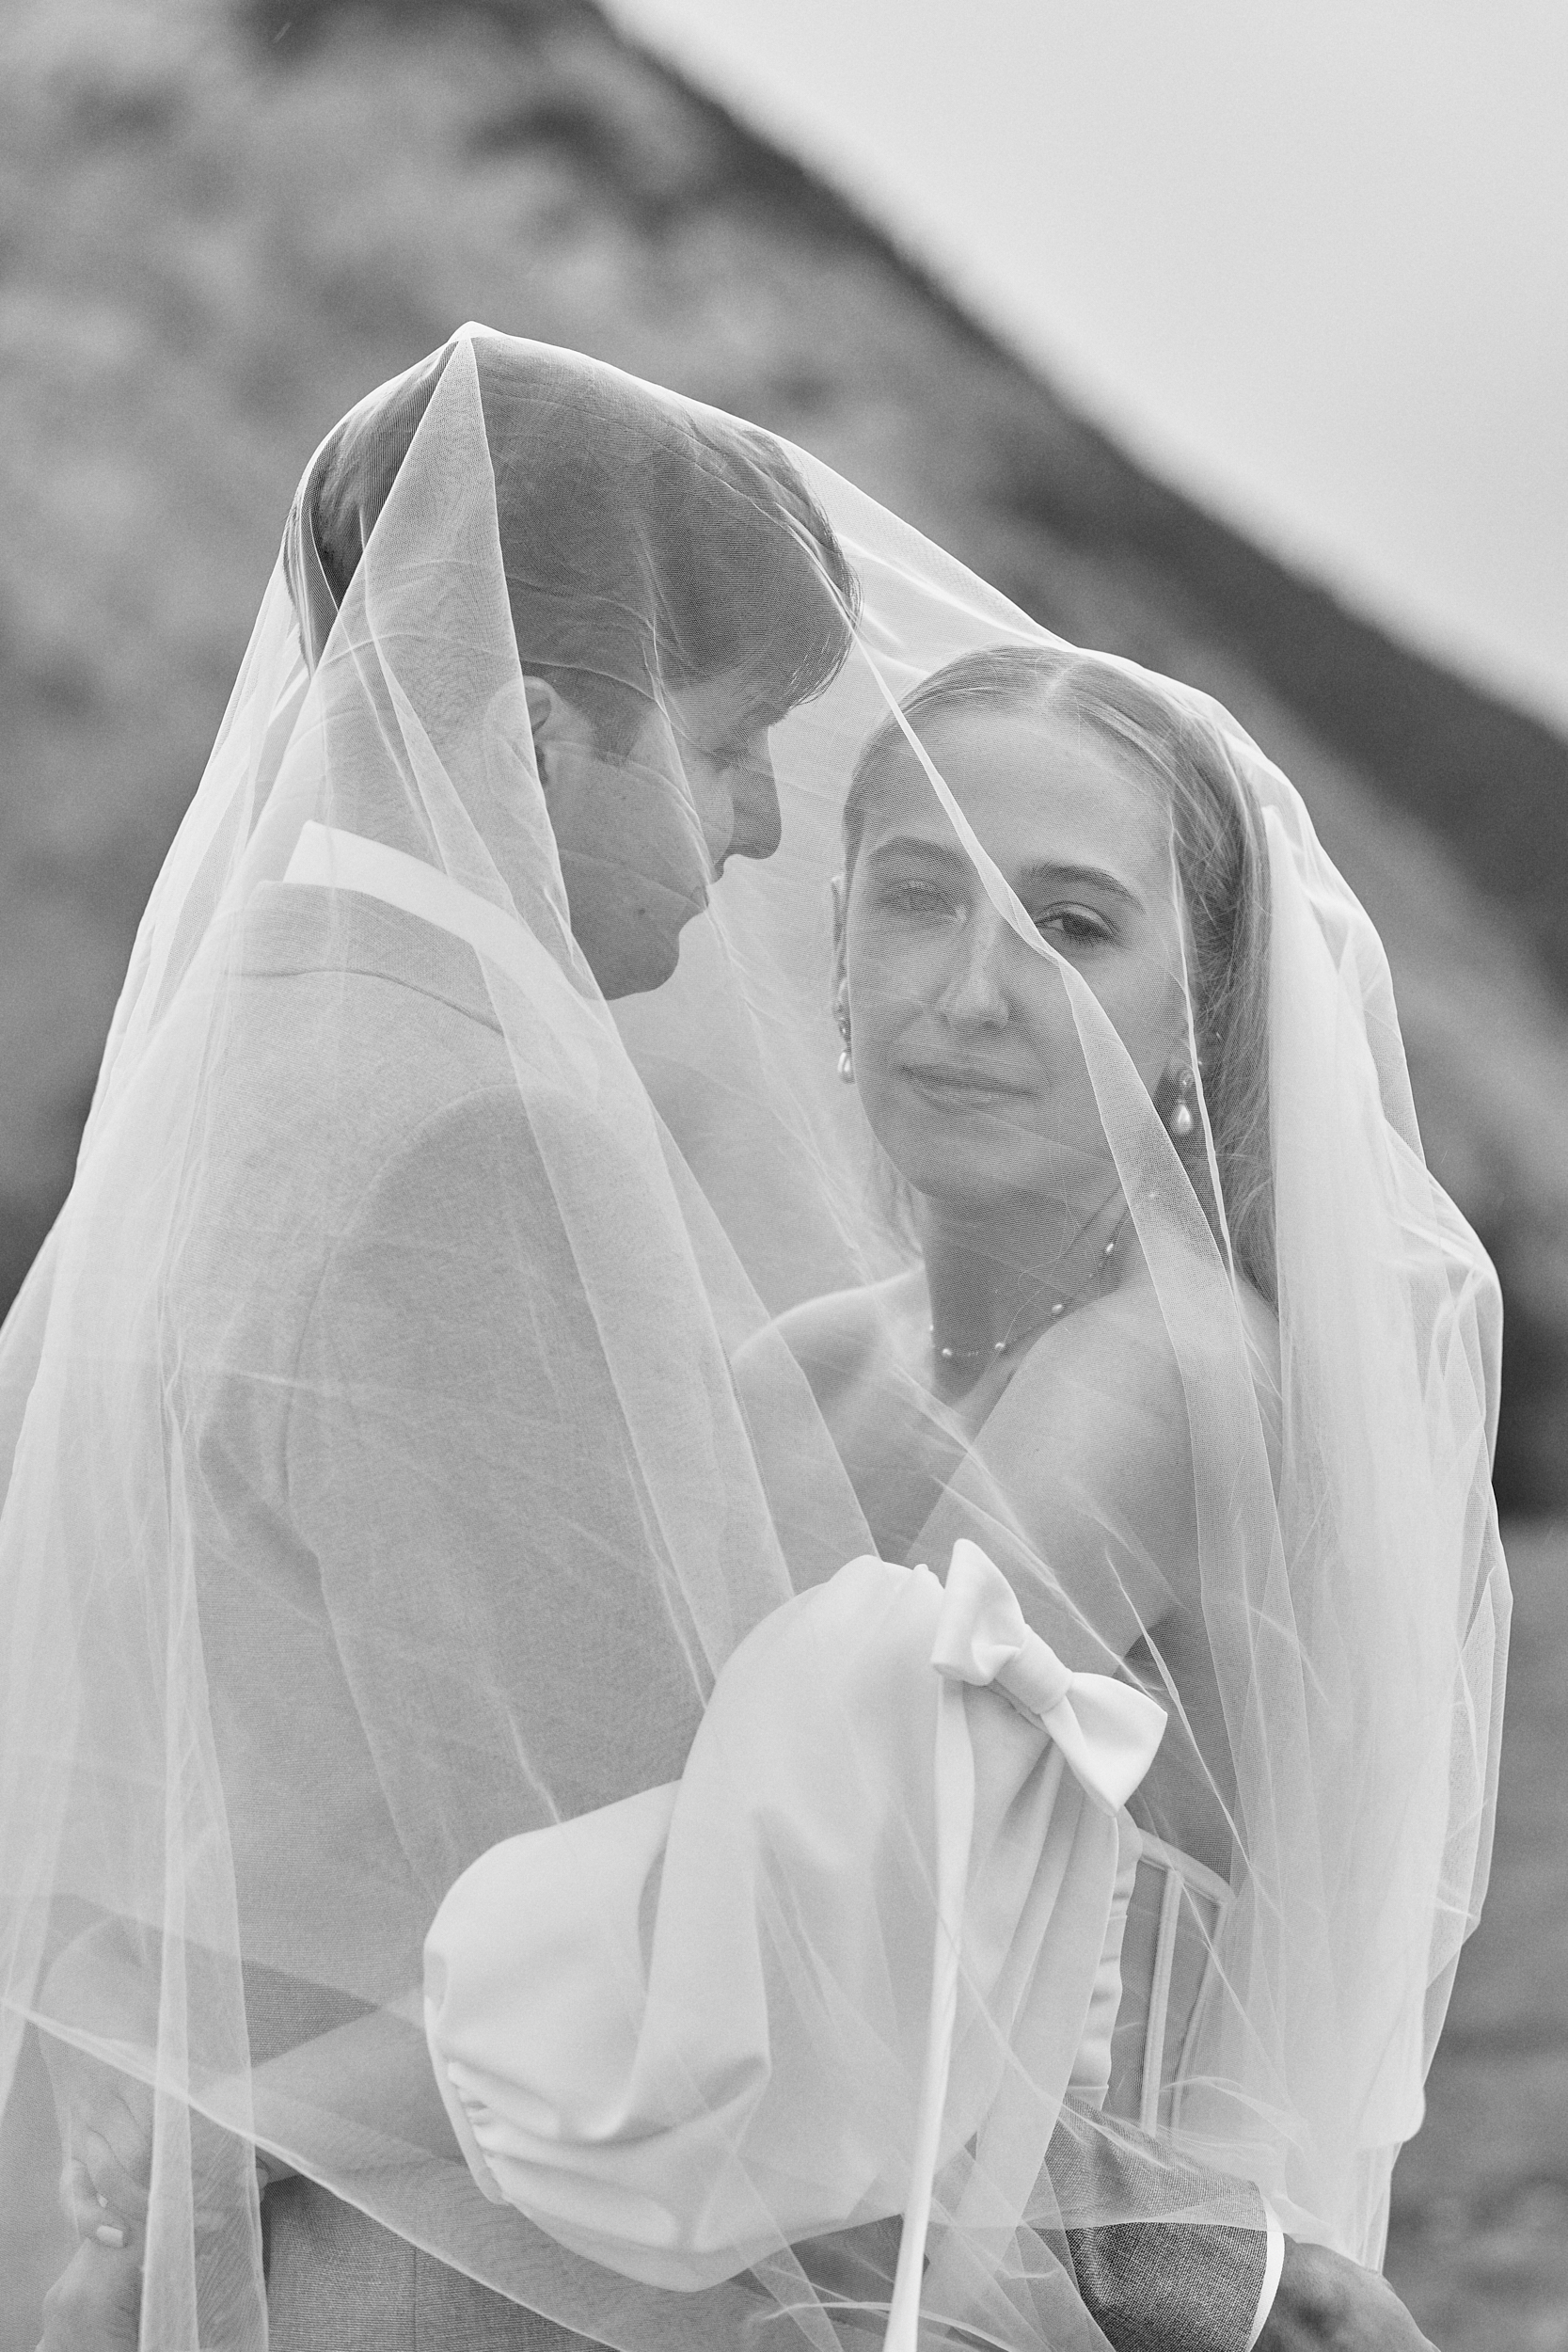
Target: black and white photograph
x,y
784,1176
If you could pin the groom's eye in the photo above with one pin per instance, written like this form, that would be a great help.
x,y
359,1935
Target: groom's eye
x,y
917,897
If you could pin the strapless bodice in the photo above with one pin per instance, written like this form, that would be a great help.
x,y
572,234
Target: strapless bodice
x,y
1174,1918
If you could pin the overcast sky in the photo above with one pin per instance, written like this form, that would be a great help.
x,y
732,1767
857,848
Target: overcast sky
x,y
1309,256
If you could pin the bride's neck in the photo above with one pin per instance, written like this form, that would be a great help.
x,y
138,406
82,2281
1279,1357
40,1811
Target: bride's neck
x,y
993,1279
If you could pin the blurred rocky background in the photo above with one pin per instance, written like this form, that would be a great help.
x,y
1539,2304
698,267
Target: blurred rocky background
x,y
223,222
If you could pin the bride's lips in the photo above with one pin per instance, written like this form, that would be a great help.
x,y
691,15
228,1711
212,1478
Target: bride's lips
x,y
963,1086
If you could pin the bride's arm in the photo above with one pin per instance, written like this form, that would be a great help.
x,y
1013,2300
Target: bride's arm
x,y
1078,1481
361,2096
99,2030
1080,1484
362,2093
95,2303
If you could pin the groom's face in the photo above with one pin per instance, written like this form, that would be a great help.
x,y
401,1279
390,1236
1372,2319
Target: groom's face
x,y
645,831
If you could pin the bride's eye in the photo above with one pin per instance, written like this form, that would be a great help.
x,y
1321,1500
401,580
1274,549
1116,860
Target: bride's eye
x,y
1074,926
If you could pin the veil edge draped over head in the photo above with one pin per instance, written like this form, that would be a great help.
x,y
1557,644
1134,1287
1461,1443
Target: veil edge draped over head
x,y
447,1360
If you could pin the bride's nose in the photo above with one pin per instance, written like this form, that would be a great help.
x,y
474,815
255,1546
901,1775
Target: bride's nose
x,y
973,995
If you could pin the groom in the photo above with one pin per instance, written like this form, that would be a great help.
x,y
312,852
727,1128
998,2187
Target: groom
x,y
410,1022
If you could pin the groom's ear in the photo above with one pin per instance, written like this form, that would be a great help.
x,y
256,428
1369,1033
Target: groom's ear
x,y
546,711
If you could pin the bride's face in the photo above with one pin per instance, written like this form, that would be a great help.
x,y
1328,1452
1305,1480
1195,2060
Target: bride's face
x,y
966,1053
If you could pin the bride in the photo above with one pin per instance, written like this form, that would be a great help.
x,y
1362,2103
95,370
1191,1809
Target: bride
x,y
470,1343
1018,1382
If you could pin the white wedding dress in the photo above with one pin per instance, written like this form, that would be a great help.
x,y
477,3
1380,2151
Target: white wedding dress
x,y
1176,1914
679,2029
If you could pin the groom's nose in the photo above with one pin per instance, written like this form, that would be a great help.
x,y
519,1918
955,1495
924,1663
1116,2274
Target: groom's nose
x,y
755,793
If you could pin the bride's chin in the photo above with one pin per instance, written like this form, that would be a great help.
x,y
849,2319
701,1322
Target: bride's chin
x,y
950,1181
952,1162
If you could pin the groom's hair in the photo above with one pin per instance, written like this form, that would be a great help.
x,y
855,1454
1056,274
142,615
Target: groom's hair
x,y
646,542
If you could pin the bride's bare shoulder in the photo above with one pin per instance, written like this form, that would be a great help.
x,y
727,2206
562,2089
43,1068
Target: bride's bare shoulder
x,y
1125,1335
1129,1328
838,1339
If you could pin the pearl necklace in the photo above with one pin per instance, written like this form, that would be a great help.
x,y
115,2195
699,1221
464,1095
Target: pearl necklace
x,y
1004,1346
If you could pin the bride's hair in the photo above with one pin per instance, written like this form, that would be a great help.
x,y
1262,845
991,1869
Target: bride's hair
x,y
644,543
1221,864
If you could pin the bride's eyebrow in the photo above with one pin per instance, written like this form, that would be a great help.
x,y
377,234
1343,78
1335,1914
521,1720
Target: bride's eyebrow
x,y
1049,876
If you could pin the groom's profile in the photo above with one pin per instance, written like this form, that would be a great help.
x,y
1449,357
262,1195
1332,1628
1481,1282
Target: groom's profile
x,y
364,1039
650,746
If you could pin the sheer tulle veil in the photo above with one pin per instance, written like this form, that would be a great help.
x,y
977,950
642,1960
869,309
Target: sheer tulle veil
x,y
263,1706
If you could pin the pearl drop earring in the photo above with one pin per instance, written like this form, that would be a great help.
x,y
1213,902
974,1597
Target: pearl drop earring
x,y
1183,1120
845,1059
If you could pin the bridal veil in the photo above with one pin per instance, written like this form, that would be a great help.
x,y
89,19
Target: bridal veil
x,y
300,1616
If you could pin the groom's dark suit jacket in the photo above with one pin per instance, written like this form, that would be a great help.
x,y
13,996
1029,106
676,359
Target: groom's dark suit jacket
x,y
363,1048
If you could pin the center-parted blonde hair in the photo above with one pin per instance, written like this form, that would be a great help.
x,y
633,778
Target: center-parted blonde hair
x,y
1221,865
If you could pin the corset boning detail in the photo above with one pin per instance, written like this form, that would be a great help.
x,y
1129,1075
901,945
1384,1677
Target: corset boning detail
x,y
1179,1906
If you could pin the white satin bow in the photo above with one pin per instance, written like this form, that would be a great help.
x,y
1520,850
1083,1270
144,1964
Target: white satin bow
x,y
1107,1731
1107,1734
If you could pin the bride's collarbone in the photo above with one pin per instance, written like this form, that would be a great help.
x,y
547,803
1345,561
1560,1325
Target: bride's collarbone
x,y
890,1400
899,1448
906,1439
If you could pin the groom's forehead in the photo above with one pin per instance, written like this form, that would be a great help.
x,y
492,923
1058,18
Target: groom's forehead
x,y
746,700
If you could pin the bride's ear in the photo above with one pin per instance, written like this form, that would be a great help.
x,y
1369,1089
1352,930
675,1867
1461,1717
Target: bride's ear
x,y
840,889
841,981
